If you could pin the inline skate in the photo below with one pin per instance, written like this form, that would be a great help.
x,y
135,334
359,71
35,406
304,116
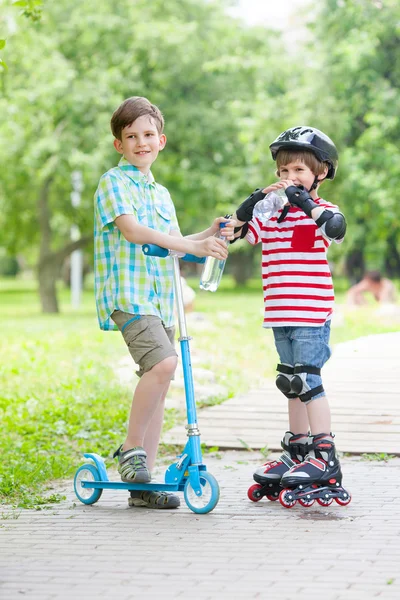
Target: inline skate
x,y
268,476
318,477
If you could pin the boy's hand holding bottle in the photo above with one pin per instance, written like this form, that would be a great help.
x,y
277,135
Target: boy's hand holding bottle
x,y
263,202
214,267
228,230
216,242
211,246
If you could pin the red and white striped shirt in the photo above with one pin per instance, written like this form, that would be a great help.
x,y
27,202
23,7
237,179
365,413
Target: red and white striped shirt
x,y
297,282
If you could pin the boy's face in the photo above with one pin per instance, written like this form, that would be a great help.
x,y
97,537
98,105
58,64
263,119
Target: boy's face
x,y
299,173
141,143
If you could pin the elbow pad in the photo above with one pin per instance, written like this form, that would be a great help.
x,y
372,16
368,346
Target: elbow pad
x,y
245,210
333,224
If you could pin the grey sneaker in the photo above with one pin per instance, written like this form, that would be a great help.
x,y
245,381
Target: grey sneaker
x,y
147,499
132,465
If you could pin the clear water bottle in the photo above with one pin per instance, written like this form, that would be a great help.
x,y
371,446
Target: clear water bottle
x,y
212,270
272,202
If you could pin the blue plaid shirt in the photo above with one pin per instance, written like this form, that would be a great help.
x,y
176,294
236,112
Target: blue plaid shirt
x,y
125,278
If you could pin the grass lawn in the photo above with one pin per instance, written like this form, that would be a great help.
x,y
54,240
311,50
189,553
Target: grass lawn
x,y
59,395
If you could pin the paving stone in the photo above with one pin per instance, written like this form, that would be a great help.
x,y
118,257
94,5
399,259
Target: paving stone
x,y
241,549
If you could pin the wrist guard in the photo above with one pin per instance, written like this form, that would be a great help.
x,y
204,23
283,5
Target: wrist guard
x,y
243,231
298,196
245,210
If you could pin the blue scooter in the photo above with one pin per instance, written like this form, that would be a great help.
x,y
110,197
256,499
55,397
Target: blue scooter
x,y
188,475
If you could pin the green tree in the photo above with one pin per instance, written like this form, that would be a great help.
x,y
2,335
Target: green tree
x,y
204,69
357,90
31,9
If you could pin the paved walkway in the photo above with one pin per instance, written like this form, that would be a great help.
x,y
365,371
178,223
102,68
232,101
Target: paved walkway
x,y
242,550
362,381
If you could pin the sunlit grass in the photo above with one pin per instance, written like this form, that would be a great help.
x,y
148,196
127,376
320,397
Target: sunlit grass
x,y
59,395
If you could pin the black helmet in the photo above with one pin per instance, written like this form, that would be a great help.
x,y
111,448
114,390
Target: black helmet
x,y
311,139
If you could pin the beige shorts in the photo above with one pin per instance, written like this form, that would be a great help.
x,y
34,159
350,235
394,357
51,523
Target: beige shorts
x,y
148,340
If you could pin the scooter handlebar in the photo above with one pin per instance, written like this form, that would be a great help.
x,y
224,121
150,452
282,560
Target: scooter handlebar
x,y
154,250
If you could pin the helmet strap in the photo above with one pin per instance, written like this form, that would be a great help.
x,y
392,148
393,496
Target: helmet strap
x,y
315,184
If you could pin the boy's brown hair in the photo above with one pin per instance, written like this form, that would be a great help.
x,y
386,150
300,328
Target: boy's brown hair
x,y
284,157
130,110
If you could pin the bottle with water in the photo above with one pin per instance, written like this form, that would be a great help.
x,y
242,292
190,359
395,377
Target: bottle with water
x,y
272,202
212,270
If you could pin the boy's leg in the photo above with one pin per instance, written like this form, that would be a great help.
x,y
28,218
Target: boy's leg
x,y
311,348
319,415
294,442
297,411
147,408
321,467
153,432
155,499
151,347
298,416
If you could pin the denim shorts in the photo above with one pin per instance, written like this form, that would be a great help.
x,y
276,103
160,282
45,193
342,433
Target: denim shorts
x,y
304,346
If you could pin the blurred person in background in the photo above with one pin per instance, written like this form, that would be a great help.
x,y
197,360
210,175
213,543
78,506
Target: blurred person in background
x,y
381,288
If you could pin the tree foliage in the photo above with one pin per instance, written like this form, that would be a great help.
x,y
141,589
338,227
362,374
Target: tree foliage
x,y
226,91
203,69
358,97
31,9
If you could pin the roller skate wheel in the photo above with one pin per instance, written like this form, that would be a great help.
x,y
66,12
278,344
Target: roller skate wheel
x,y
344,500
324,501
286,498
273,497
306,502
254,492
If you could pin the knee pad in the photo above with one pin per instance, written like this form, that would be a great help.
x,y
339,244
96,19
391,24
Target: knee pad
x,y
284,379
299,383
292,381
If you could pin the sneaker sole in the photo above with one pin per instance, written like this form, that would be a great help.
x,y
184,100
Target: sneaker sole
x,y
139,503
137,479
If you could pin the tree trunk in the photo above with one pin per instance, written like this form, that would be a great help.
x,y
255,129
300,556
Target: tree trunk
x,y
47,277
241,266
355,265
392,255
46,269
49,264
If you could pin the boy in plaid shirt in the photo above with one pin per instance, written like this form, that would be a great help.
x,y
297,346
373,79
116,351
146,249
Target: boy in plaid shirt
x,y
134,292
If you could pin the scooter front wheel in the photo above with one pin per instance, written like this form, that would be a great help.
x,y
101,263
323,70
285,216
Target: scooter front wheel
x,y
87,495
209,497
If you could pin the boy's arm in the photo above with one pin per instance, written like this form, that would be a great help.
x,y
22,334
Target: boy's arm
x,y
332,223
227,231
139,234
244,213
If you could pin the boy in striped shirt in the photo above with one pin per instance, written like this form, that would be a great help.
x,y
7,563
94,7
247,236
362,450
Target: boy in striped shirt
x,y
134,292
298,298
